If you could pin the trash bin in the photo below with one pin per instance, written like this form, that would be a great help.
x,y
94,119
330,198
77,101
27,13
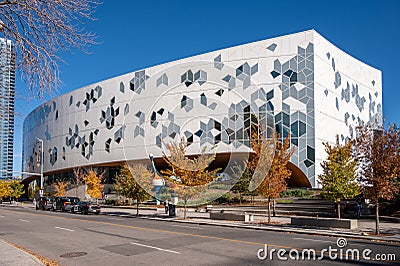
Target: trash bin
x,y
172,210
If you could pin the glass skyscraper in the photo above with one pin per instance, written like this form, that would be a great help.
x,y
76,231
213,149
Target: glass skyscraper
x,y
7,91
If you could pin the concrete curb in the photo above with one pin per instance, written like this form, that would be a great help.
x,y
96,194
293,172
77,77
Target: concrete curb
x,y
14,256
297,230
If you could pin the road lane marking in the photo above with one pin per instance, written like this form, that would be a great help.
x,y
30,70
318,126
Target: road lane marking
x,y
116,219
315,240
352,244
62,228
22,220
167,231
1,216
157,248
185,226
155,230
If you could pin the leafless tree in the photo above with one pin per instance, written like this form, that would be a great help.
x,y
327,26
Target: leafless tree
x,y
40,30
78,179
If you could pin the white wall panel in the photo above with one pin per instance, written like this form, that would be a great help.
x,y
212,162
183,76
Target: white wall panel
x,y
246,74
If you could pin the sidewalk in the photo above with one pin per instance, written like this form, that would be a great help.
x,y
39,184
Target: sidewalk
x,y
390,230
10,256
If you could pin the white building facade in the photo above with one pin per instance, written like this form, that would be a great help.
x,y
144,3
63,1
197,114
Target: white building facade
x,y
298,84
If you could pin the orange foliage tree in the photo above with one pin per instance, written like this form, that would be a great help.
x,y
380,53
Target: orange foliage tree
x,y
274,180
93,180
188,176
60,187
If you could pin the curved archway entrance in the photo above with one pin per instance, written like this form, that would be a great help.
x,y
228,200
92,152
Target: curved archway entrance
x,y
298,178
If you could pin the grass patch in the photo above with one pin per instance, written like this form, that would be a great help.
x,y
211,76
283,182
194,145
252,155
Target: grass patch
x,y
295,193
284,201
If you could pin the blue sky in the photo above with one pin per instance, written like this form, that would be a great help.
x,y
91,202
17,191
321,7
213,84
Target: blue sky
x,y
138,34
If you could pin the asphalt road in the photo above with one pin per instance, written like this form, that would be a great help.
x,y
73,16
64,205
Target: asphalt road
x,y
109,240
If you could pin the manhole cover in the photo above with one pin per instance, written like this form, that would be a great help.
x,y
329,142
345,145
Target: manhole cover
x,y
73,254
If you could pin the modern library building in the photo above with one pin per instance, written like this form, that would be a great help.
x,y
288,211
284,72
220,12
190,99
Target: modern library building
x,y
298,84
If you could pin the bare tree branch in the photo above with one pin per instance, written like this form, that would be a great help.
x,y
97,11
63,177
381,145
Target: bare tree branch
x,y
40,30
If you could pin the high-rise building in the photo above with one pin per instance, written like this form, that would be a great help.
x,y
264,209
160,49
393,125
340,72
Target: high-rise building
x,y
7,91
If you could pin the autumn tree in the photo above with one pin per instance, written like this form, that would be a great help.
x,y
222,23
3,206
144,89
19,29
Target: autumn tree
x,y
93,180
339,175
16,189
188,176
275,179
60,187
40,31
250,175
4,189
134,182
379,164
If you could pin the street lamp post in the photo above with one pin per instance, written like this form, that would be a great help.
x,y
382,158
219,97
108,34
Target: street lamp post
x,y
41,167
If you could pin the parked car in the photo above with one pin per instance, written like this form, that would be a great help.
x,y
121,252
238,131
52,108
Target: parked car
x,y
85,207
58,203
71,201
44,203
64,203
